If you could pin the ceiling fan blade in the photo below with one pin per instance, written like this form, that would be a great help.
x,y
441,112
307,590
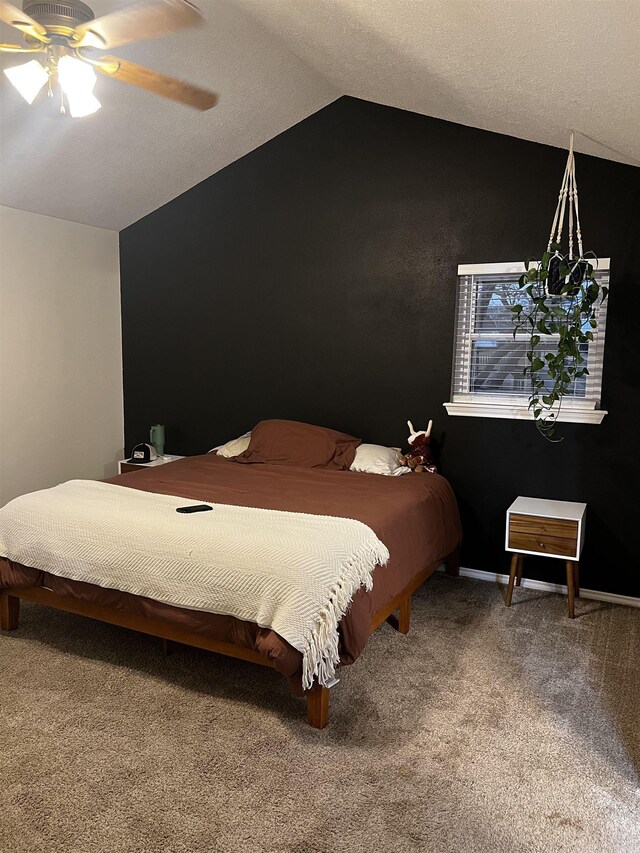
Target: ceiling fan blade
x,y
153,81
15,17
15,48
146,19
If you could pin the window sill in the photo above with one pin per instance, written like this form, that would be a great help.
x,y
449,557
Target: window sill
x,y
472,409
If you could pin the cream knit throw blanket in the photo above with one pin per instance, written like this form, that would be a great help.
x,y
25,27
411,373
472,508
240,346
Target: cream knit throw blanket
x,y
292,572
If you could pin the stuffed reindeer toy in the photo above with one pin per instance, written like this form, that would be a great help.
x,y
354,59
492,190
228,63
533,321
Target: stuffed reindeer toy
x,y
419,457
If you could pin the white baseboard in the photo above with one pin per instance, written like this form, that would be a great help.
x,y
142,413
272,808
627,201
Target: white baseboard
x,y
528,583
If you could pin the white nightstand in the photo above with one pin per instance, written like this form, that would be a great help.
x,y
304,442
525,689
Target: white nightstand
x,y
124,466
550,528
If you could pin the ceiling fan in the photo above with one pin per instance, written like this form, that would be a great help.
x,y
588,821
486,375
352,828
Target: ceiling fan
x,y
69,37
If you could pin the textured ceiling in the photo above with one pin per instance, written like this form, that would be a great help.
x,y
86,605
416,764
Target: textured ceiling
x,y
529,68
139,151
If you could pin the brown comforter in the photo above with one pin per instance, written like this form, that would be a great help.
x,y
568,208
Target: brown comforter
x,y
416,517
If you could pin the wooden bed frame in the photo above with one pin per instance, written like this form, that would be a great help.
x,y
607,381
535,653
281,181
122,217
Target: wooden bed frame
x,y
317,698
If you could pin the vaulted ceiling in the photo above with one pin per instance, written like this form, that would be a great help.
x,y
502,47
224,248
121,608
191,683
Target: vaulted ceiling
x,y
534,69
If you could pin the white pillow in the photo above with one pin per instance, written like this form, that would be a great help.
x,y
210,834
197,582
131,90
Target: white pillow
x,y
234,447
376,459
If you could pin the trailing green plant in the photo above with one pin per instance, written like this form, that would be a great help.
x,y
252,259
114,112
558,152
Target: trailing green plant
x,y
558,310
560,315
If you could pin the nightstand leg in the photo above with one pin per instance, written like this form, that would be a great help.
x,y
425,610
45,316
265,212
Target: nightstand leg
x,y
570,589
576,579
512,577
519,570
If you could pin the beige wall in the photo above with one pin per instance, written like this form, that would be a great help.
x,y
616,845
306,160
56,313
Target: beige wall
x,y
61,412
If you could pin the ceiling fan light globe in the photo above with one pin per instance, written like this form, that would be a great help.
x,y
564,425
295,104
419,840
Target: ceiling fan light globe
x,y
83,104
75,76
27,78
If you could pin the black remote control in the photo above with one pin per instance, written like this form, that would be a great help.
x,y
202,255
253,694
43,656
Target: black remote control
x,y
194,508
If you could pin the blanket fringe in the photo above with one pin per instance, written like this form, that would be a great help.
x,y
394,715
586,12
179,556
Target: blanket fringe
x,y
321,657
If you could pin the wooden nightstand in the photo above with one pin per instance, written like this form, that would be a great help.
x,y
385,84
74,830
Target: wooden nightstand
x,y
552,528
124,466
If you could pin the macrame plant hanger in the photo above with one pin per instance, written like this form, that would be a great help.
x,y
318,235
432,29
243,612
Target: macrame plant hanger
x,y
568,193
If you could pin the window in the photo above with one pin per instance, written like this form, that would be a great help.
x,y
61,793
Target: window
x,y
488,379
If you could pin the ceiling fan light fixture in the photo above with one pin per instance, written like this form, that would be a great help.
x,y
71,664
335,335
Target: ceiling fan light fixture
x,y
83,104
27,78
77,79
75,76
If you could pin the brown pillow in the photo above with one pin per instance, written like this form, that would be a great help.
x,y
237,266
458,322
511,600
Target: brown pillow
x,y
278,442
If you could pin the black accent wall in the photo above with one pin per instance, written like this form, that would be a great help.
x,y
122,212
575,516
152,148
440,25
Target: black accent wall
x,y
315,279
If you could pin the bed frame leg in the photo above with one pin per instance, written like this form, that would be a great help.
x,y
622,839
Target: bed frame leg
x,y
404,616
452,563
318,707
9,611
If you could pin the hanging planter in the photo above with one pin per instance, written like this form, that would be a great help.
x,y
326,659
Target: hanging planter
x,y
558,309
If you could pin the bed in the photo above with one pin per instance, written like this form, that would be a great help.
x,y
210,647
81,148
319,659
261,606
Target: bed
x,y
415,516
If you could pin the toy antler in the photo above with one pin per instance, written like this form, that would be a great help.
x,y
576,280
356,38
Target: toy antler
x,y
414,433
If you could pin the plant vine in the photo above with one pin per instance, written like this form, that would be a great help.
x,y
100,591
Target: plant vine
x,y
560,316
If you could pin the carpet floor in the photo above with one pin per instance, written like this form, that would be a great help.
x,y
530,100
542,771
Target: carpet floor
x,y
484,729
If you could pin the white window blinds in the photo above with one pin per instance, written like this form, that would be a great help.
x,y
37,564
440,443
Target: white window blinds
x,y
488,368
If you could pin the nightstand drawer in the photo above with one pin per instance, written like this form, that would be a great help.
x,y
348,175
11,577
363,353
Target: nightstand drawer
x,y
543,535
543,544
560,528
